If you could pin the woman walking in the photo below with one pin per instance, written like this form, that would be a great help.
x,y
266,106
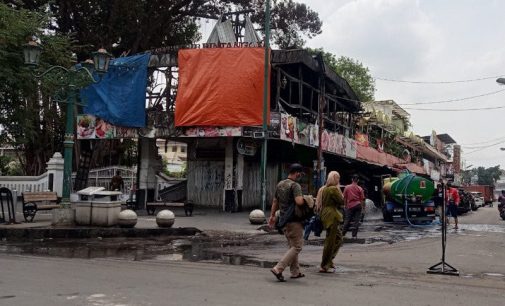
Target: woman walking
x,y
330,202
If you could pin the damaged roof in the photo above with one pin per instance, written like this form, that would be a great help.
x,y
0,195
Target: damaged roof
x,y
300,56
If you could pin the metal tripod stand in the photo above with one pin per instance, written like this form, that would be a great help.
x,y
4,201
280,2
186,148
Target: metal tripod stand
x,y
442,267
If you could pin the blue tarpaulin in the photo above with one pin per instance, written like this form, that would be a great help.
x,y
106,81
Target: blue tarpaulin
x,y
119,98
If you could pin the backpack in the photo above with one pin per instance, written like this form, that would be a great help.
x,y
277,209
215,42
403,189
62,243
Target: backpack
x,y
295,213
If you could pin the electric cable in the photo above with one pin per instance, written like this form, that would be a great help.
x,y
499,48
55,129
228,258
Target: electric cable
x,y
486,141
483,148
437,82
484,145
455,100
455,110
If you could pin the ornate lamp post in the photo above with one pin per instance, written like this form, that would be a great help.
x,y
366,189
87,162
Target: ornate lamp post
x,y
70,87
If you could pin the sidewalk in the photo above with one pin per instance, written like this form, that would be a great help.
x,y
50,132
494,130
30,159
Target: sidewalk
x,y
203,220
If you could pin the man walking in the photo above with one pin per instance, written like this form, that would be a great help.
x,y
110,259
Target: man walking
x,y
288,193
354,199
452,198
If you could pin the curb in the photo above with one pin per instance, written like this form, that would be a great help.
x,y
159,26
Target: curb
x,y
79,233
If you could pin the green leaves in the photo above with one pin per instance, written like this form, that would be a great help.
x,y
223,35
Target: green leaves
x,y
29,121
356,74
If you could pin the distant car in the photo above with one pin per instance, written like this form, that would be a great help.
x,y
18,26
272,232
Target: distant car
x,y
479,199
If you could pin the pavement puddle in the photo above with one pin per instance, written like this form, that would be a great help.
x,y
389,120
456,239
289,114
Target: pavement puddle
x,y
224,248
169,250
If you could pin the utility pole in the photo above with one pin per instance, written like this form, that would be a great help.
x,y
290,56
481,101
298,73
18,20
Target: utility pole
x,y
320,119
263,174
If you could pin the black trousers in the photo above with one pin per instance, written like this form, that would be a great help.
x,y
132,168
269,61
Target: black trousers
x,y
352,215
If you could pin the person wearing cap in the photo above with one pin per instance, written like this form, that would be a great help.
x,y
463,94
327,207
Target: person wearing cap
x,y
288,193
452,202
354,199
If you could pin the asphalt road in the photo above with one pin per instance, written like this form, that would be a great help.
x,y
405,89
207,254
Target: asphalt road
x,y
483,215
56,281
369,274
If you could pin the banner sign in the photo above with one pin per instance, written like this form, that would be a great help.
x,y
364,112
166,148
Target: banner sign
x,y
91,127
299,132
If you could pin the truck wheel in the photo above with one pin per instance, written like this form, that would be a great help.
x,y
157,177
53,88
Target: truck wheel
x,y
388,216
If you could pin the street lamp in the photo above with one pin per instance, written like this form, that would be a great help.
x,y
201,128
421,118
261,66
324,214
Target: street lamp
x,y
71,87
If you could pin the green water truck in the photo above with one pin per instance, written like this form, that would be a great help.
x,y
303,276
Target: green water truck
x,y
408,198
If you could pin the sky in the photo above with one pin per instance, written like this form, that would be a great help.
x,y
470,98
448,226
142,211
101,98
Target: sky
x,y
428,41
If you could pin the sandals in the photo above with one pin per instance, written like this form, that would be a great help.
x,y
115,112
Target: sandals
x,y
330,270
299,275
278,275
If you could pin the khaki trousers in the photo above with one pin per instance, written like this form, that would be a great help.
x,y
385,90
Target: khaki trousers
x,y
294,234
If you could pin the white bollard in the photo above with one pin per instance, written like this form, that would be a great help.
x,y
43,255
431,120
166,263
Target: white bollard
x,y
257,216
165,218
127,218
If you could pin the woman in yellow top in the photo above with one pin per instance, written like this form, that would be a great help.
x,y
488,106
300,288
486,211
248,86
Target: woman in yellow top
x,y
330,202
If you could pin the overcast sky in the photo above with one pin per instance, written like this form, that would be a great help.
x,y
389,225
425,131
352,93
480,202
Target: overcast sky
x,y
429,40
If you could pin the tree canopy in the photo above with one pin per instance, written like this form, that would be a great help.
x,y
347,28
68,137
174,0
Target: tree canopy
x,y
290,21
133,26
485,176
357,75
29,121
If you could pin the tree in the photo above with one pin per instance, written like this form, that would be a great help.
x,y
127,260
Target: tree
x,y
357,75
488,176
123,26
29,120
485,176
133,26
290,21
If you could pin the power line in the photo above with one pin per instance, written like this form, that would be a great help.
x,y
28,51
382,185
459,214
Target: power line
x,y
484,141
455,100
454,110
438,82
485,147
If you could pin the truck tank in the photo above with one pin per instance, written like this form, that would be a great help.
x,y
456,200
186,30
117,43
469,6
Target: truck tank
x,y
408,196
410,185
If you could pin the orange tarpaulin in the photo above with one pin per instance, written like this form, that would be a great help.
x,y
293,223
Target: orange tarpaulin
x,y
220,87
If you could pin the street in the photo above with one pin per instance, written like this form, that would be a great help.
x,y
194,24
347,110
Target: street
x,y
377,273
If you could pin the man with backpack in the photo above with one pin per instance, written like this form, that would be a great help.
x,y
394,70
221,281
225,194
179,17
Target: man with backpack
x,y
288,193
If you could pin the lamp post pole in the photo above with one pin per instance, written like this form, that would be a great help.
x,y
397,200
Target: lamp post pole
x,y
263,165
70,86
68,145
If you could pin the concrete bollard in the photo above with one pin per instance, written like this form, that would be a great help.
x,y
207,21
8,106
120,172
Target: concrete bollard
x,y
257,216
165,218
127,218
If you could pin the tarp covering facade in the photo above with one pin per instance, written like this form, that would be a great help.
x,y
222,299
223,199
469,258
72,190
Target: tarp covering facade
x,y
120,97
220,87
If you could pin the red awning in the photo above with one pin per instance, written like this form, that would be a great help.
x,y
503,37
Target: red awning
x,y
371,155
